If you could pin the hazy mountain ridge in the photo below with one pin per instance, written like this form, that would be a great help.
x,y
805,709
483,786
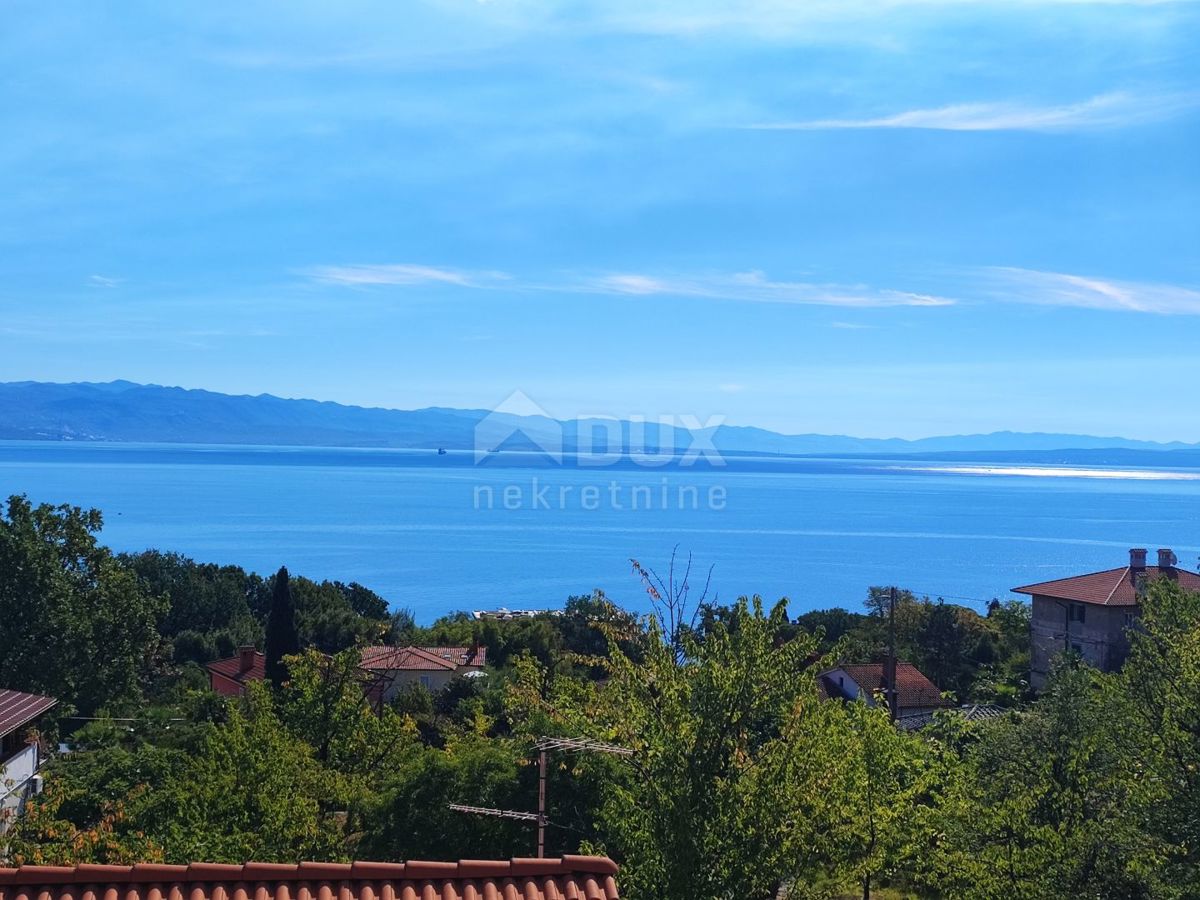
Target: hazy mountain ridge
x,y
122,411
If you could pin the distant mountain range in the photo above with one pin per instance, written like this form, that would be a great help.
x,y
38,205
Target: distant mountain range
x,y
123,411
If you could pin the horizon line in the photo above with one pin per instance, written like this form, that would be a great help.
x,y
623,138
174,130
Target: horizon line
x,y
1175,444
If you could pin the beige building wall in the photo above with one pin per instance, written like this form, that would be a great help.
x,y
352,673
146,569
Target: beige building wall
x,y
1100,638
434,681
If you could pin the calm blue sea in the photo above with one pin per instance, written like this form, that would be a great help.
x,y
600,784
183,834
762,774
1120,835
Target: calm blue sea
x,y
439,533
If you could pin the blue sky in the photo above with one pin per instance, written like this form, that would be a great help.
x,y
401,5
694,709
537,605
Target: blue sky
x,y
901,217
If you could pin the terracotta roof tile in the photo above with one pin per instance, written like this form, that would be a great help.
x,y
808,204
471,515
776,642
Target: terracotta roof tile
x,y
425,659
232,668
912,687
18,708
570,877
1112,587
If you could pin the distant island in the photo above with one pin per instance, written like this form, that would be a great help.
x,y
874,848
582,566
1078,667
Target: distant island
x,y
122,411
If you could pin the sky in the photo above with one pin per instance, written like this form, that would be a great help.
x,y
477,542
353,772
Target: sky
x,y
890,218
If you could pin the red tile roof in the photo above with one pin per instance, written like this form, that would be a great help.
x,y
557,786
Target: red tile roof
x,y
18,708
1112,587
565,878
232,668
424,659
913,689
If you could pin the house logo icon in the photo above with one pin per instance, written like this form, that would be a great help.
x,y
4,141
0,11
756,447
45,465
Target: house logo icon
x,y
521,424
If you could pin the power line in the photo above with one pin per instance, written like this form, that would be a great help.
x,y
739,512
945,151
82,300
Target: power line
x,y
118,719
942,596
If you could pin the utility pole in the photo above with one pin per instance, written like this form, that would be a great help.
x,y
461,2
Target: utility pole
x,y
891,675
577,745
541,803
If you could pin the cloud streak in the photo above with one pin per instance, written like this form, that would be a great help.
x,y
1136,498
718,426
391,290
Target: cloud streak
x,y
993,284
400,274
1112,110
778,20
756,287
1084,292
750,287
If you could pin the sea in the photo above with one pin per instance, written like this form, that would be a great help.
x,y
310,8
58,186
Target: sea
x,y
440,532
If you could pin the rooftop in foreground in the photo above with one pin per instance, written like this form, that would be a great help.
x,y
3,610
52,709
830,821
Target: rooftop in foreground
x,y
563,878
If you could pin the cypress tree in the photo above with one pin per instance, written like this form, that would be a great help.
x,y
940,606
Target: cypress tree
x,y
282,638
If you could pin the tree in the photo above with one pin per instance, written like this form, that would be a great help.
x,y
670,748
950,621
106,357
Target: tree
x,y
76,624
1050,803
875,779
879,600
244,789
364,601
697,813
413,821
211,607
251,790
1161,679
332,616
282,638
941,643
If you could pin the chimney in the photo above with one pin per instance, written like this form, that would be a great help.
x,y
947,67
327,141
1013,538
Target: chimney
x,y
1166,558
245,659
1137,558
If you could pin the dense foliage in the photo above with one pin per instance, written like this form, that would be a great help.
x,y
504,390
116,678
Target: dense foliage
x,y
742,782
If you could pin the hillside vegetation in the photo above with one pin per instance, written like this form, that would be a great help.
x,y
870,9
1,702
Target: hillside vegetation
x,y
742,782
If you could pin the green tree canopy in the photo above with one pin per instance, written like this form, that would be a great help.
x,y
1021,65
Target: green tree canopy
x,y
75,624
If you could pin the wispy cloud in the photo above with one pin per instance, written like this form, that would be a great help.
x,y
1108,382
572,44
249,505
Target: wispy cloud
x,y
756,287
103,281
986,284
1059,289
781,19
400,274
752,286
1111,110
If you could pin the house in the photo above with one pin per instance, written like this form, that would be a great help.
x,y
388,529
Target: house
x,y
431,667
230,676
915,694
574,877
1090,614
20,758
385,669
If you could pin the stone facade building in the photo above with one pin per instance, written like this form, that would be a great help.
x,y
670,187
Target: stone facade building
x,y
1090,614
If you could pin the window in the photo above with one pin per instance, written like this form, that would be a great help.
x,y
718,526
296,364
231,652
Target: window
x,y
1076,612
426,682
1129,620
